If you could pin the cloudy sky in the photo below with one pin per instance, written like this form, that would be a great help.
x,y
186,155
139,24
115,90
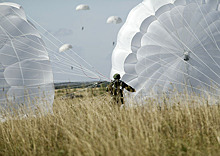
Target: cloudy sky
x,y
94,44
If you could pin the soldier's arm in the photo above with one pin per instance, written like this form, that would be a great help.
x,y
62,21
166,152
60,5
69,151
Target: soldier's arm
x,y
129,88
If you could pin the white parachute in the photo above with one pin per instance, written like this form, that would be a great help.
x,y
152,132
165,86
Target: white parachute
x,y
26,78
65,47
167,44
82,7
114,20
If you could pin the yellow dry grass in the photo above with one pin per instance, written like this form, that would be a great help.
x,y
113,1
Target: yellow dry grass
x,y
91,126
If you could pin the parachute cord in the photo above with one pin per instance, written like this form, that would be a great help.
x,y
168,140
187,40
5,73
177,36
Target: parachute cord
x,y
53,43
71,49
87,75
195,55
38,43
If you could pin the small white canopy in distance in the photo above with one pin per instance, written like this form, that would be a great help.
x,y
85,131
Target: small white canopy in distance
x,y
65,47
114,20
82,7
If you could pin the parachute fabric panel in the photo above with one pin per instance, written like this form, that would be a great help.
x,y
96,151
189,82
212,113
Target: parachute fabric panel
x,y
114,20
167,44
82,7
65,47
26,76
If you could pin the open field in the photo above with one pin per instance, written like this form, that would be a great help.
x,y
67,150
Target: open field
x,y
89,125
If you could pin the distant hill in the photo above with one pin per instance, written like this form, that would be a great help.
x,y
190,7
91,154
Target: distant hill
x,y
93,84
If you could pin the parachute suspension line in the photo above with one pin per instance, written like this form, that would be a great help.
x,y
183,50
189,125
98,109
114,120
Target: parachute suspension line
x,y
79,68
71,50
67,72
196,68
169,77
187,76
45,37
19,63
178,82
79,65
190,50
41,66
177,34
162,74
213,38
199,43
14,51
179,70
63,64
89,76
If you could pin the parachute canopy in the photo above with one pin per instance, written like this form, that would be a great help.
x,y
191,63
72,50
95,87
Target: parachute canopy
x,y
114,20
26,77
65,47
82,7
167,44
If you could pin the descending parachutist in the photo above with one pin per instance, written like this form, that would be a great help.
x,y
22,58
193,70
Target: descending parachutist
x,y
113,43
71,67
65,47
114,20
82,28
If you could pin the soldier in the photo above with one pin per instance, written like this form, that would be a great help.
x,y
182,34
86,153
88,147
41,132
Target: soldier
x,y
116,88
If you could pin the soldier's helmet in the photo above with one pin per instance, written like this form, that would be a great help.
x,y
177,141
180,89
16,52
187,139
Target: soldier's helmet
x,y
117,76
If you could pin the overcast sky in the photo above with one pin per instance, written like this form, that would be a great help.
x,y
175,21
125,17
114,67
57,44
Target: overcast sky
x,y
94,43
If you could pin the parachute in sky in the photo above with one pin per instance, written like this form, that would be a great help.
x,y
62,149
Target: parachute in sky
x,y
170,44
26,78
65,47
82,7
114,20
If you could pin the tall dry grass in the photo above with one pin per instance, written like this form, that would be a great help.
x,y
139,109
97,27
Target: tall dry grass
x,y
92,126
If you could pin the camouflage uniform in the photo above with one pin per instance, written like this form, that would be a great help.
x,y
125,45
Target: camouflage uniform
x,y
116,88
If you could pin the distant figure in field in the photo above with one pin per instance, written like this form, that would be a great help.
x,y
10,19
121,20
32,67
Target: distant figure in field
x,y
116,87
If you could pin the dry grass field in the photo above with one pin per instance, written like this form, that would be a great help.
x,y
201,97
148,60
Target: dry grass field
x,y
90,125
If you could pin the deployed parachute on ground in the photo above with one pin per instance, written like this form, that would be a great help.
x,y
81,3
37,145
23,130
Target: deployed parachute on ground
x,y
168,44
65,47
26,78
114,20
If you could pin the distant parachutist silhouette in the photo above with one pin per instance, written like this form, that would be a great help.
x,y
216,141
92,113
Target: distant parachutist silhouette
x,y
71,67
113,43
82,28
